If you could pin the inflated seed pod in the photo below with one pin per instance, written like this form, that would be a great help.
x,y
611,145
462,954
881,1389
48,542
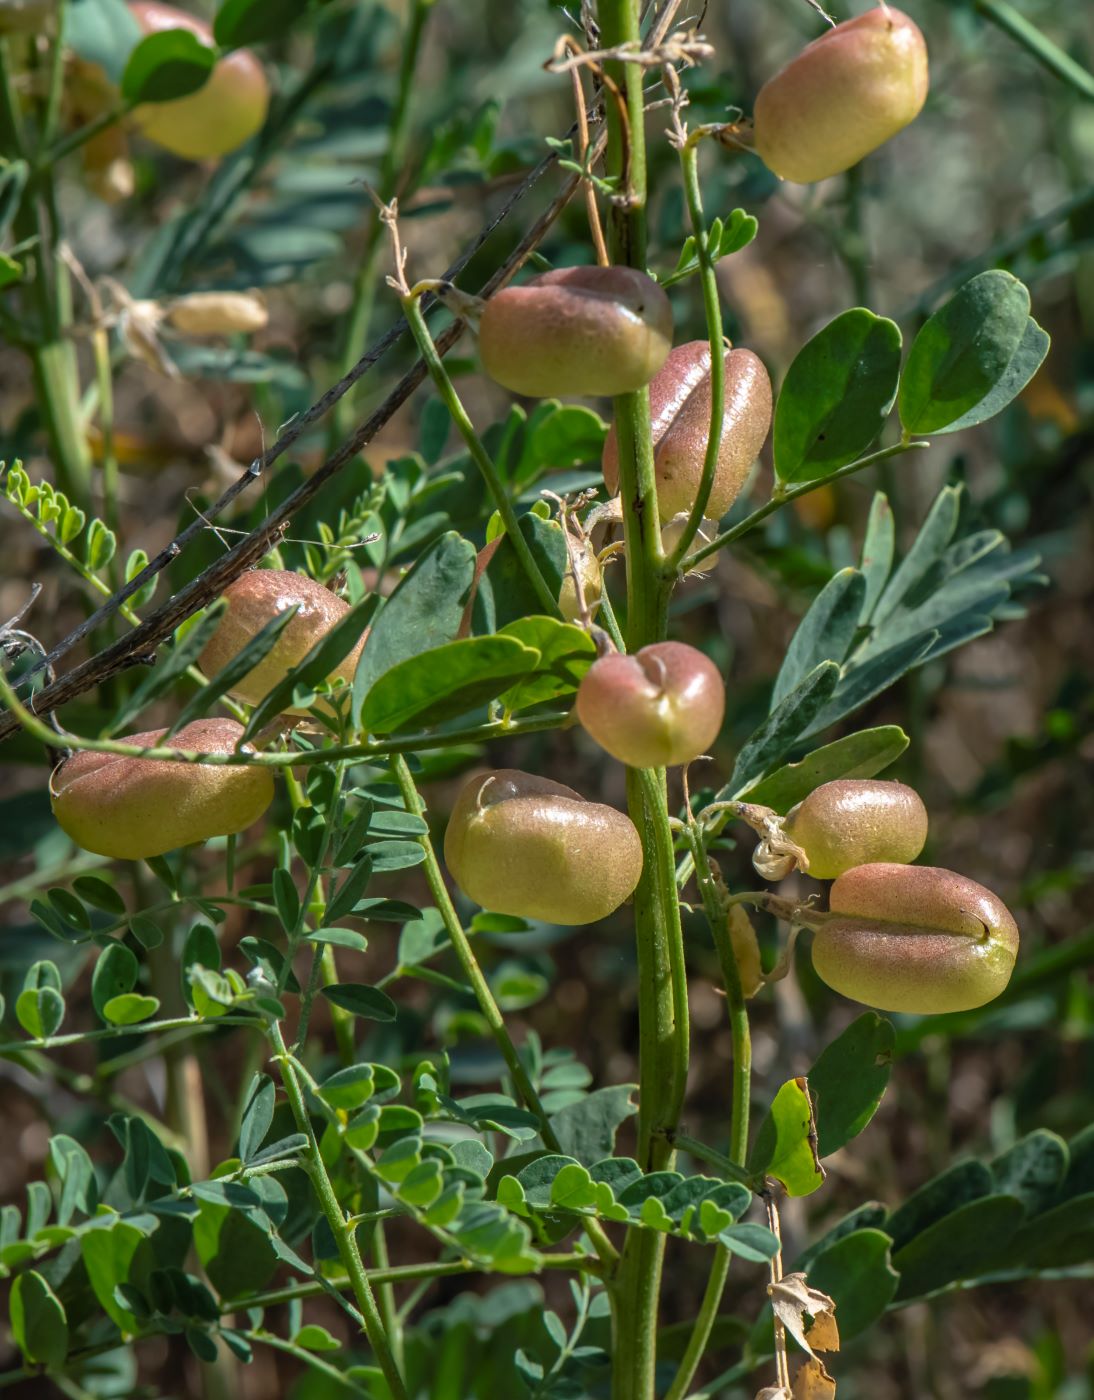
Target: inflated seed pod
x,y
680,420
589,331
915,938
134,808
223,113
659,707
844,95
218,313
256,598
523,845
855,821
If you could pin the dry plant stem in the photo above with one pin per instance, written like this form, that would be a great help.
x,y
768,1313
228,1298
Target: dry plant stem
x,y
491,1012
344,1234
663,1045
782,1365
391,175
137,646
581,151
716,913
479,455
689,164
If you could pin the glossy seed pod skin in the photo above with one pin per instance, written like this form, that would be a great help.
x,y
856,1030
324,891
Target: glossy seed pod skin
x,y
680,422
842,97
526,846
857,821
586,331
222,114
256,598
914,938
657,708
134,808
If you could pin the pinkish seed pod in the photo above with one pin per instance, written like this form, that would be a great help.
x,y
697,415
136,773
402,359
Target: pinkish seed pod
x,y
522,845
857,821
223,113
915,938
134,808
256,598
660,707
680,420
842,97
588,331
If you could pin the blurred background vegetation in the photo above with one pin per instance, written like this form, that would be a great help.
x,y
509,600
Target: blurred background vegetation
x,y
998,171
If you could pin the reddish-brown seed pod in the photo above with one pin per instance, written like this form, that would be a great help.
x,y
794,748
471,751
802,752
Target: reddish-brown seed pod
x,y
256,598
680,421
660,707
589,331
134,808
523,845
844,95
223,113
857,821
915,938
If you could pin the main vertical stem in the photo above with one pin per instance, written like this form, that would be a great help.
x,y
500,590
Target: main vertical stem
x,y
663,1045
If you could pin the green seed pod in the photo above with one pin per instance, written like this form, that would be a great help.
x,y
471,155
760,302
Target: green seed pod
x,y
842,97
133,808
857,821
660,707
680,422
522,845
914,938
256,598
223,113
588,331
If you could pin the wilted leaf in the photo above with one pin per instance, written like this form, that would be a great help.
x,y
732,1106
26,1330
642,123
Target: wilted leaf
x,y
793,1300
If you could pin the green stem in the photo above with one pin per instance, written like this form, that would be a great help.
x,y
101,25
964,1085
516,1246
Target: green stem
x,y
661,989
738,1133
309,1359
364,289
689,162
75,139
53,357
287,759
58,1042
788,494
1048,54
344,1234
104,376
482,459
491,1012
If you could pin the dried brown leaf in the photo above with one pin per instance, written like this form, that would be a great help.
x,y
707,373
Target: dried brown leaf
x,y
793,1300
812,1382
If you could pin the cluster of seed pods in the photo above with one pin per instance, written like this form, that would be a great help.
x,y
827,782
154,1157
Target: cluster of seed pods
x,y
897,936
